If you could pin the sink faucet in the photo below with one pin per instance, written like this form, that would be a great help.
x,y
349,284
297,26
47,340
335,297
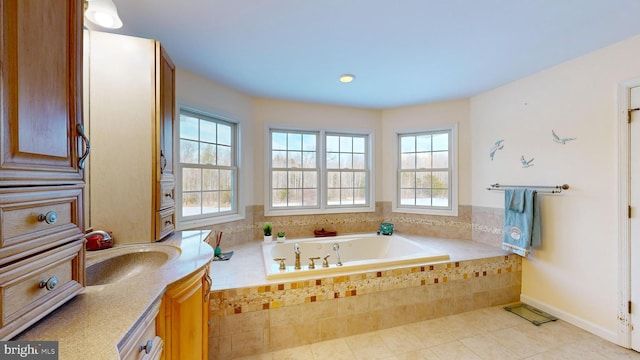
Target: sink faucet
x,y
296,248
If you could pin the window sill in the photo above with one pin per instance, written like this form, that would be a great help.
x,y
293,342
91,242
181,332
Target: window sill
x,y
203,222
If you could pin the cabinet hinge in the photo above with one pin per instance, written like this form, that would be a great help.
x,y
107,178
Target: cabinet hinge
x,y
629,114
629,307
629,212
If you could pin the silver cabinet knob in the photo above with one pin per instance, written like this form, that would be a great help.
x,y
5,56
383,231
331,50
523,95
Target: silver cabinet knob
x,y
146,347
50,217
49,284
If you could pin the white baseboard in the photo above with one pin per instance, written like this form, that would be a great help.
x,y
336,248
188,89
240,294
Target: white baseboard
x,y
597,330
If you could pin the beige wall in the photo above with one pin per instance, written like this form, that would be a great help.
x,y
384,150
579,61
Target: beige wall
x,y
575,273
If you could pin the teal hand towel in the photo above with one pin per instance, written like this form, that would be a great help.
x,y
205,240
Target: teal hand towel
x,y
521,229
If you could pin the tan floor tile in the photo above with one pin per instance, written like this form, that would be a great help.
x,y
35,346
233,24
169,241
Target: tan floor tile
x,y
399,340
487,347
454,350
332,349
368,346
424,354
296,353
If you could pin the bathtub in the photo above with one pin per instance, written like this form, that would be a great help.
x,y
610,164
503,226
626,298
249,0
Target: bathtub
x,y
357,253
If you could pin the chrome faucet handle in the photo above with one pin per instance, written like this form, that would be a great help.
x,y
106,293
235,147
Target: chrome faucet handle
x,y
282,265
325,262
312,265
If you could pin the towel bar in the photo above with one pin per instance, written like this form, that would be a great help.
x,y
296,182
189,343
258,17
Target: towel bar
x,y
555,189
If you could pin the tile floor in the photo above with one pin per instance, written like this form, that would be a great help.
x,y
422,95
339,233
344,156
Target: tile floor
x,y
490,333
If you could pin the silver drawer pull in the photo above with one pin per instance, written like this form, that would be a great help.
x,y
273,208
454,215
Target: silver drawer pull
x,y
146,347
169,195
49,284
168,222
50,217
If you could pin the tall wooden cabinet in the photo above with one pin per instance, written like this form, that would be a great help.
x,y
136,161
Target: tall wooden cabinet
x,y
131,115
41,175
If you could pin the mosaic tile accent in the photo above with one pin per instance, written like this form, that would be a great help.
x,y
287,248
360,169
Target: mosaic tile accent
x,y
228,302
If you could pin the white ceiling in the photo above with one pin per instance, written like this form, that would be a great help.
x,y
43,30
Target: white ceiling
x,y
402,52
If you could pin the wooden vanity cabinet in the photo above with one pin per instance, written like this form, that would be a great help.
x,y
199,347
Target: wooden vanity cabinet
x,y
41,177
131,96
142,342
184,317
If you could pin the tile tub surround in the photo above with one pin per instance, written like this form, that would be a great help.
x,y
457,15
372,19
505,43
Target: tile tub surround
x,y
255,315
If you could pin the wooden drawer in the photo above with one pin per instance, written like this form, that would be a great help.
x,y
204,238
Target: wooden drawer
x,y
24,229
141,341
166,195
165,222
24,295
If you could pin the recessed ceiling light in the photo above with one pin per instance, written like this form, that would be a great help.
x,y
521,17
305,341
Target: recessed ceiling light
x,y
347,78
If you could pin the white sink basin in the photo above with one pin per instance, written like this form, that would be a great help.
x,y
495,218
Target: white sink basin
x,y
125,261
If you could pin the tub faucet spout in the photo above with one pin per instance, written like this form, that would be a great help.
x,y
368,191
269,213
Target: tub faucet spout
x,y
296,249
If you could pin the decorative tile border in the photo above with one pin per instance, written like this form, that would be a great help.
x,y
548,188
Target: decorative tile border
x,y
243,300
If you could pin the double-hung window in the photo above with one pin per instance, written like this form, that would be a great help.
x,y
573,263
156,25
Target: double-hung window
x,y
207,168
313,171
426,174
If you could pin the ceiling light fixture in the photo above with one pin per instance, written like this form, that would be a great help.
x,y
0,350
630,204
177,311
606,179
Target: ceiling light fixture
x,y
347,78
103,13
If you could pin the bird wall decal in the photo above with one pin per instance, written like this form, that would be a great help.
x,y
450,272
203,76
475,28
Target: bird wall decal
x,y
497,146
560,140
526,163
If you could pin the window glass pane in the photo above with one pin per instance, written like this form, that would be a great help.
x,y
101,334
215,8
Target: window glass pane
x,y
440,180
333,196
346,180
207,154
191,204
279,197
309,160
295,180
294,159
279,159
440,142
407,144
408,197
423,160
358,162
346,144
332,161
279,141
224,134
294,141
188,152
441,159
440,198
224,155
346,196
407,180
310,197
423,180
188,127
310,180
360,180
294,197
210,202
423,197
333,179
408,161
333,144
207,131
309,142
191,179
210,179
359,196
358,145
226,179
423,143
226,201
279,180
346,161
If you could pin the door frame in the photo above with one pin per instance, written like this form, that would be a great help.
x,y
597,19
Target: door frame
x,y
624,234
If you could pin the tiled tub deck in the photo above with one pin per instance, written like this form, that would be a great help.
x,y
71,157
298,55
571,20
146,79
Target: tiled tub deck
x,y
251,315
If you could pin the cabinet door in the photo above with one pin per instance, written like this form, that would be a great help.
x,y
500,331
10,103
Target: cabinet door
x,y
181,322
166,112
41,60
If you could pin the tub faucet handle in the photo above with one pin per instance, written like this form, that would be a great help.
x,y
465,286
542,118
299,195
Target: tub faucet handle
x,y
312,265
325,262
282,265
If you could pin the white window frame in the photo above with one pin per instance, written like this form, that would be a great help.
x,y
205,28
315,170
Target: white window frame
x,y
236,213
452,209
322,207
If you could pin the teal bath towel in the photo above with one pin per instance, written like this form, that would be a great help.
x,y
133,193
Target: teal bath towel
x,y
521,229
